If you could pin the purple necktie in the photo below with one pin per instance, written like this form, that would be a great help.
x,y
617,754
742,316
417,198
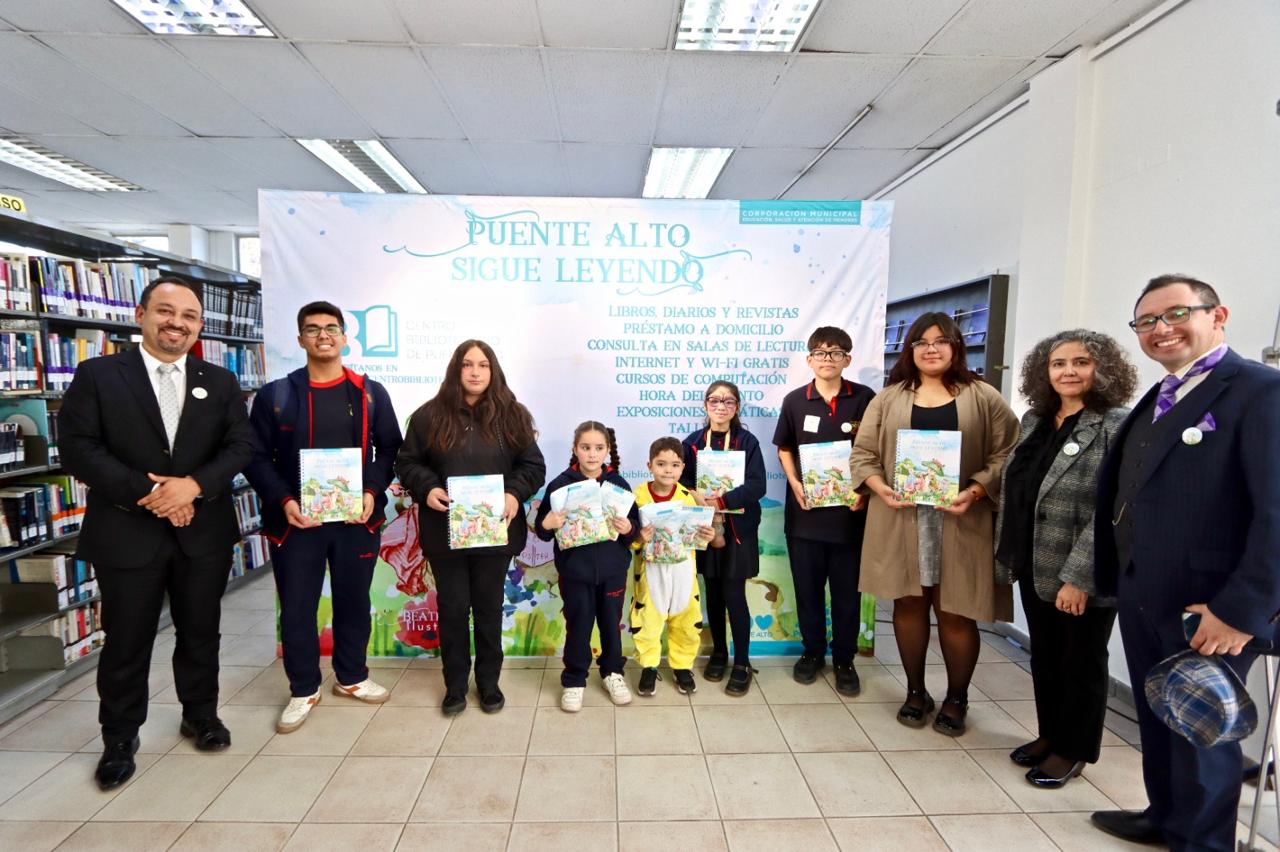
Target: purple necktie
x,y
1169,384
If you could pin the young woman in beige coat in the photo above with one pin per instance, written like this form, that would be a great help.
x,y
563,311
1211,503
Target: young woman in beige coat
x,y
935,558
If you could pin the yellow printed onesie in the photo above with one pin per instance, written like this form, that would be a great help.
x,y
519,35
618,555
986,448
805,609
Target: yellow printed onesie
x,y
665,595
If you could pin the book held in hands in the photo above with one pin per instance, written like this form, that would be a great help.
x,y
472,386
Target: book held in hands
x,y
331,487
824,470
720,471
585,521
926,470
475,511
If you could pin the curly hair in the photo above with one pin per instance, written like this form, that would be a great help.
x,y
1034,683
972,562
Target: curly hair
x,y
1115,379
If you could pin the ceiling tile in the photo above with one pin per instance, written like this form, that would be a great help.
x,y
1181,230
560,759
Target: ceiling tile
x,y
1105,24
1012,27
172,86
332,20
760,172
818,96
525,168
714,99
46,76
854,174
496,93
411,106
13,178
608,23
69,16
606,171
207,209
75,207
285,164
446,168
146,162
930,93
295,99
606,95
878,26
20,114
495,22
987,106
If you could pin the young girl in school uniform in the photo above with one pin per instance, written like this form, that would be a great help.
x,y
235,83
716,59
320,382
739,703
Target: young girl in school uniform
x,y
593,577
726,569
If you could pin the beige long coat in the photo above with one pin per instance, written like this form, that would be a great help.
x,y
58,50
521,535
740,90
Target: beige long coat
x,y
890,555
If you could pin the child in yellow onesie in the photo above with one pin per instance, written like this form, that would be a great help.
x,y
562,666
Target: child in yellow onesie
x,y
665,594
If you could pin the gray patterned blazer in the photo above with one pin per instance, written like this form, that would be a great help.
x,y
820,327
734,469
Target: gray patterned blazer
x,y
1062,543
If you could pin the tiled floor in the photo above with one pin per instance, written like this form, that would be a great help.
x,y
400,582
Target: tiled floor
x,y
786,767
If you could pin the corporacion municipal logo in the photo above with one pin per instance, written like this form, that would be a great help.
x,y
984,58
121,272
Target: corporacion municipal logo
x,y
376,333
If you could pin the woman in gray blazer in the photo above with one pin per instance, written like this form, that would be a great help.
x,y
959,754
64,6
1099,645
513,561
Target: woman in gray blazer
x,y
1077,383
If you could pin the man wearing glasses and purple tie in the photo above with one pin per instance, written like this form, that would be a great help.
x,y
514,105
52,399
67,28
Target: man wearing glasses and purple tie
x,y
1188,521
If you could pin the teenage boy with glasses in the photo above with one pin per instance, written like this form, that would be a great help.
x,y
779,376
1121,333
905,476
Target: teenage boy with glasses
x,y
825,544
322,405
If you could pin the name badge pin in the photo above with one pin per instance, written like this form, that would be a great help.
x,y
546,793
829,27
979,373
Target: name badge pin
x,y
199,393
1071,448
846,428
1192,436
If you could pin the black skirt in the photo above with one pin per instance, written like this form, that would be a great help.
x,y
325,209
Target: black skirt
x,y
734,560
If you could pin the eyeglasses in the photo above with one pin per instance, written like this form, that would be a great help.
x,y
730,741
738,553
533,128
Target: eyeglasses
x,y
936,345
722,402
1174,316
332,329
828,354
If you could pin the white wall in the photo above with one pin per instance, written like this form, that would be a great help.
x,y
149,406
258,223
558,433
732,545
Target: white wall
x,y
1160,155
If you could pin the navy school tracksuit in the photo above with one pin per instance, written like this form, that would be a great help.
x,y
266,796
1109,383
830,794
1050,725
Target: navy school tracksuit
x,y
593,586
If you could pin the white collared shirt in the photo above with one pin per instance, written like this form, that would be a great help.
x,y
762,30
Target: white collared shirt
x,y
1190,384
179,378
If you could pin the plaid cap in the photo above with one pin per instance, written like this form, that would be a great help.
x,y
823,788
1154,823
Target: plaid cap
x,y
1201,698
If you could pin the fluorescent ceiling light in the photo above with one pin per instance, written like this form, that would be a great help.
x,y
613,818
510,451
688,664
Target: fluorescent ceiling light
x,y
365,163
19,152
684,172
383,159
761,25
196,17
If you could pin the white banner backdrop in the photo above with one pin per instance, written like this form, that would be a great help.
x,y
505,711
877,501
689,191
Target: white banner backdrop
x,y
617,310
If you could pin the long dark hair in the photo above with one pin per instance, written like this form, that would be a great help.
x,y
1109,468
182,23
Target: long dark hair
x,y
1115,379
497,413
735,425
609,438
905,369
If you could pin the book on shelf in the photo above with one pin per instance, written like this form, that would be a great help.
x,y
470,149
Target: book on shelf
x,y
21,419
25,516
78,630
825,472
249,554
83,288
15,283
67,351
66,499
476,504
331,484
246,360
248,510
13,451
46,580
975,331
926,469
19,355
51,423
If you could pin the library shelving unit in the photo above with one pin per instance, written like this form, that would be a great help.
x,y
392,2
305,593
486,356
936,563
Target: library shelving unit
x,y
978,306
78,300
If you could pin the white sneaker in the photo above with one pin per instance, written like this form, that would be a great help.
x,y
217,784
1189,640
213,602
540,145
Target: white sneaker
x,y
366,691
616,685
296,712
571,699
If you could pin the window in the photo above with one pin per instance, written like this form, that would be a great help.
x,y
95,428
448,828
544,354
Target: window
x,y
155,242
249,250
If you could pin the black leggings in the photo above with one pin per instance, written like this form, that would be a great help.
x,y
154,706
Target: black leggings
x,y
729,594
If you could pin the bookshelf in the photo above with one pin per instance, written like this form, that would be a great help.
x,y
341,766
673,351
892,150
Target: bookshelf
x,y
70,296
980,308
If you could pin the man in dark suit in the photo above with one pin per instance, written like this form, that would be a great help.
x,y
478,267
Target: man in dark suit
x,y
1188,520
157,435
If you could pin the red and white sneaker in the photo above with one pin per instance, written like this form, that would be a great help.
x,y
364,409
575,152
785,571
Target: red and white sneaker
x,y
366,691
296,712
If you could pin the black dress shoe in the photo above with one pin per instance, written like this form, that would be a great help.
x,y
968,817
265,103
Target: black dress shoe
x,y
210,734
1024,755
116,765
455,701
716,666
952,725
847,682
491,698
807,668
1128,825
739,681
1039,778
913,716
